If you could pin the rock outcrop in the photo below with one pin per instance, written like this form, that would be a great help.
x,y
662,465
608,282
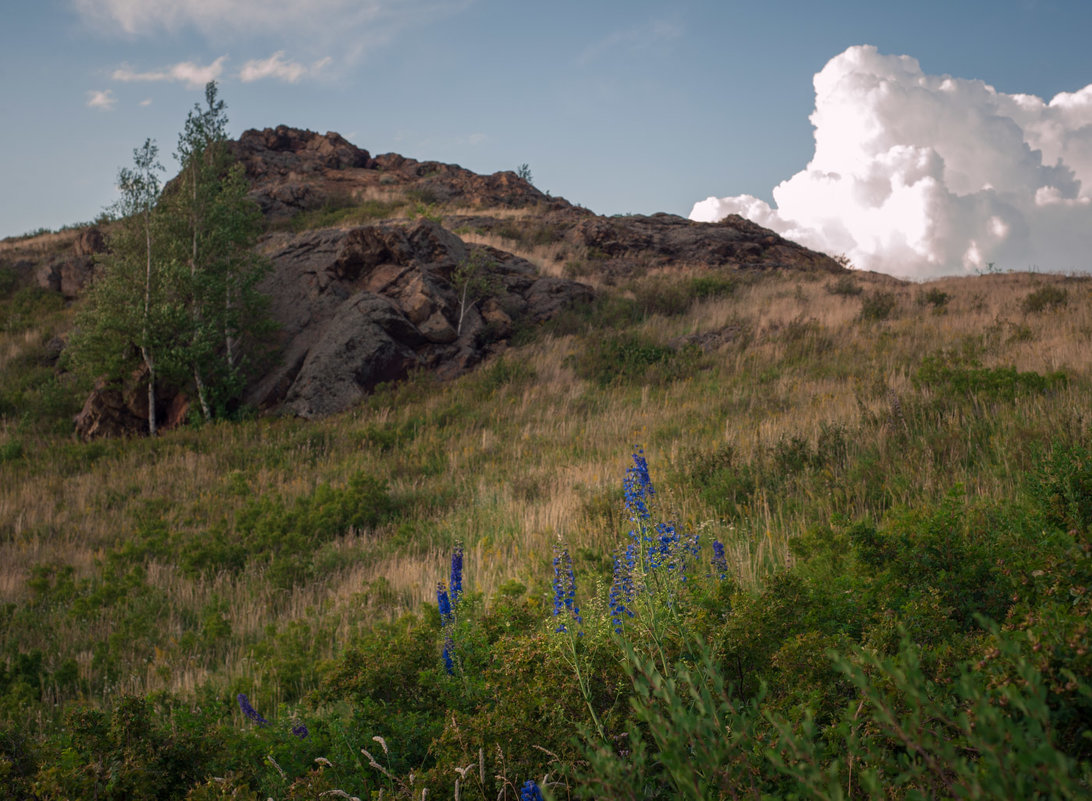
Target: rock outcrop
x,y
669,240
364,306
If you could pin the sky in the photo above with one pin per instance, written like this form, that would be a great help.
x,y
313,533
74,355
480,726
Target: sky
x,y
919,139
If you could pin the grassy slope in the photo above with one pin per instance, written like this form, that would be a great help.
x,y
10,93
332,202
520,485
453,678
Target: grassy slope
x,y
112,553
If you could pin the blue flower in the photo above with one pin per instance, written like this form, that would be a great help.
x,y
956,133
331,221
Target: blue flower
x,y
456,574
664,547
638,487
621,589
249,711
720,564
301,731
449,655
530,792
565,587
446,615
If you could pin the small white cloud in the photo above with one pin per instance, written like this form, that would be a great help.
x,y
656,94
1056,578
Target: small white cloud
x,y
276,67
103,101
922,175
187,72
352,26
638,37
146,101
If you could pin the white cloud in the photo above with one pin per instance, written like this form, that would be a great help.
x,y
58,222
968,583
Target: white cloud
x,y
638,37
276,67
922,175
103,101
354,25
187,72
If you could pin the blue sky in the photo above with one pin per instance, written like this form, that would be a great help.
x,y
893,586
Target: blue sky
x,y
618,106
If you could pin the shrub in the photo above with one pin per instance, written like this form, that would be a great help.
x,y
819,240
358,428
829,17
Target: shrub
x,y
845,286
1045,298
957,379
934,297
877,305
625,358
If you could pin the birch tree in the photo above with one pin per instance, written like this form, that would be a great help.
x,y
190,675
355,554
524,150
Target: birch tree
x,y
115,334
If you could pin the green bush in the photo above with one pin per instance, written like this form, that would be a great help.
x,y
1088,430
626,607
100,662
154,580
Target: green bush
x,y
877,306
845,286
934,297
956,379
626,358
1044,299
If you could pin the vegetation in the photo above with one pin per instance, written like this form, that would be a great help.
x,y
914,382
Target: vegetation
x,y
185,257
884,523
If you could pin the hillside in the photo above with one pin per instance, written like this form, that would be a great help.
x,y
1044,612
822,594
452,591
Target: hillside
x,y
899,477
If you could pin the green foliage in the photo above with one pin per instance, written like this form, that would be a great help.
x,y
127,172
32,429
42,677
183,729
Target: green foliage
x,y
9,281
523,172
627,358
877,305
285,537
345,211
934,297
1045,298
29,306
957,379
845,286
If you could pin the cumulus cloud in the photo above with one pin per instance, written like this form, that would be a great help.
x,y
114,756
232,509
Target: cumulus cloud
x,y
187,72
276,67
103,101
922,175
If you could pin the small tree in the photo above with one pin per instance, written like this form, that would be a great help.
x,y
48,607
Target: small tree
x,y
114,334
214,228
472,283
524,172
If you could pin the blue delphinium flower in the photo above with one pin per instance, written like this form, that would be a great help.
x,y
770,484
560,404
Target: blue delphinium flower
x,y
449,655
442,600
456,574
249,711
720,563
664,547
301,731
565,588
621,589
638,487
530,791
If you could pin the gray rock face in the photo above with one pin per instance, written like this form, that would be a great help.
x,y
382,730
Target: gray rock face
x,y
363,306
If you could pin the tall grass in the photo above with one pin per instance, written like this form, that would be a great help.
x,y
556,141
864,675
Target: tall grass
x,y
796,411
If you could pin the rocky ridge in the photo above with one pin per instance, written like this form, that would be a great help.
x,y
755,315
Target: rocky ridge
x,y
365,253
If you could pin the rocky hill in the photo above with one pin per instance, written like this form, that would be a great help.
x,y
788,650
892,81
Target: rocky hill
x,y
367,254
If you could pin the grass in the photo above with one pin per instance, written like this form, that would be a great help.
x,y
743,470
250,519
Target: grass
x,y
814,411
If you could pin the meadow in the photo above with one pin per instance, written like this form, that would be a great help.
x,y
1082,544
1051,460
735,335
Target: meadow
x,y
897,477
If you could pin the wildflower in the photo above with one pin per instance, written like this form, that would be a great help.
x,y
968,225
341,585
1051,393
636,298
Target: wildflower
x,y
442,600
720,564
448,655
621,589
530,791
249,711
638,487
565,588
666,539
456,574
301,731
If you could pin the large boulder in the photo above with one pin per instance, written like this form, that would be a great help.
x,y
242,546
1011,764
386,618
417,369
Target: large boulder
x,y
366,305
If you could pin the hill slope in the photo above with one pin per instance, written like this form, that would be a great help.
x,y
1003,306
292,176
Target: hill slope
x,y
879,461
